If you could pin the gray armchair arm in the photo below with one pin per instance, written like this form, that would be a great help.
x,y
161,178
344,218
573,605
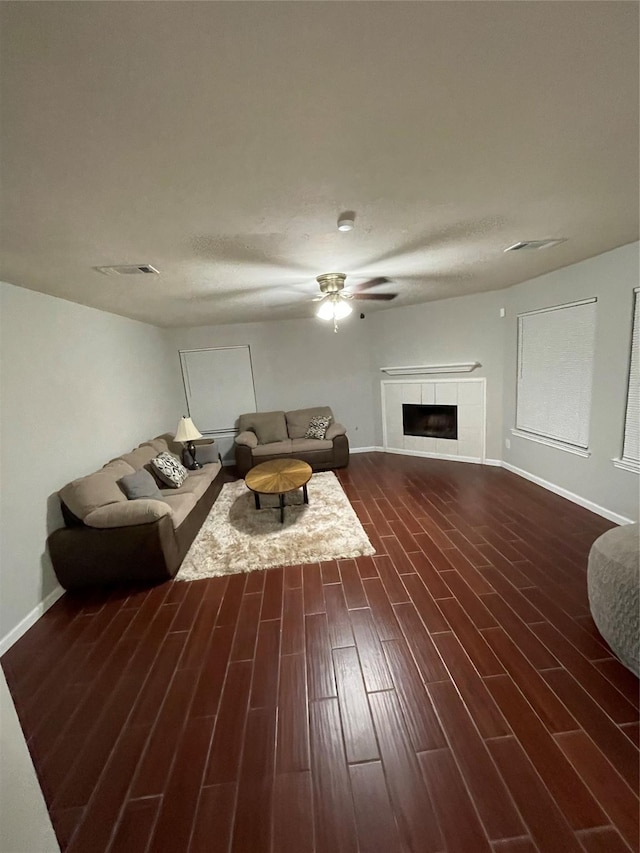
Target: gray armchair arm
x,y
334,430
248,438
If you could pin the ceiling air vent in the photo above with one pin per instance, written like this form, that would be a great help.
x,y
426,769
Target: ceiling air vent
x,y
530,245
128,269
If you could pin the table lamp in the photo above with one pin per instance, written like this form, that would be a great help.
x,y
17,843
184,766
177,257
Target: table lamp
x,y
186,434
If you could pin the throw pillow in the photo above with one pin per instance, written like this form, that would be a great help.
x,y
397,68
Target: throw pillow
x,y
317,427
140,485
169,470
269,427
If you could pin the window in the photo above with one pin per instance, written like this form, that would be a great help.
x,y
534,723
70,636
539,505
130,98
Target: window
x,y
555,372
218,385
631,446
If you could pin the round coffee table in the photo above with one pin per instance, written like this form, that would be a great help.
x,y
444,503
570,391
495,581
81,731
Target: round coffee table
x,y
277,477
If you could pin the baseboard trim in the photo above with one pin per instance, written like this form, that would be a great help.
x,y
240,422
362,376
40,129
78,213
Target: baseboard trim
x,y
365,449
426,454
570,496
30,619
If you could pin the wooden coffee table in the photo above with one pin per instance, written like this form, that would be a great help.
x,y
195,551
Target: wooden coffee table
x,y
277,477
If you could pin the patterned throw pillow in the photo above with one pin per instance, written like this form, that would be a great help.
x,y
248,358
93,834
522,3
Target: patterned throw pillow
x,y
317,427
169,470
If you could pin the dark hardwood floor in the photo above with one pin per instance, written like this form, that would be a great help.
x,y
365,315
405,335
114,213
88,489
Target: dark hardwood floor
x,y
450,693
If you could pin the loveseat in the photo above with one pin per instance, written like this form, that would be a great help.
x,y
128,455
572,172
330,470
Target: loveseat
x,y
272,435
110,539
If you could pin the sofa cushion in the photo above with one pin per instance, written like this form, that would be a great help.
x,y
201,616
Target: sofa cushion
x,y
127,514
274,448
298,420
86,494
140,485
139,457
169,469
317,428
196,483
268,426
174,446
119,468
159,444
180,506
310,445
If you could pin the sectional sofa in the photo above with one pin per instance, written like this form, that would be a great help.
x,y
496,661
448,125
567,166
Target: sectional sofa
x,y
109,539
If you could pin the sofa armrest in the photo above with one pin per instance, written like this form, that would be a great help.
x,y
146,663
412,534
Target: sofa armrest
x,y
335,429
90,556
207,452
127,514
244,459
247,438
340,451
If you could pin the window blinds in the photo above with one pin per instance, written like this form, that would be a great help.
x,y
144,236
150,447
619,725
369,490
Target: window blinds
x,y
631,447
218,384
555,371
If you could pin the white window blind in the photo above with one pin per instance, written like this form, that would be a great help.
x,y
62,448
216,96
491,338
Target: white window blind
x,y
555,372
631,447
218,385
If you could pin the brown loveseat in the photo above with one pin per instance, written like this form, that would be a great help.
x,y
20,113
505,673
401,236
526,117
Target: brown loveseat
x,y
272,435
109,539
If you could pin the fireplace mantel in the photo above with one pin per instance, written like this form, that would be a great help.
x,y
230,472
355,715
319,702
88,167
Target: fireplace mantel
x,y
412,369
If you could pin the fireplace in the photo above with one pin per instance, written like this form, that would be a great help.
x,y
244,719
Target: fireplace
x,y
430,421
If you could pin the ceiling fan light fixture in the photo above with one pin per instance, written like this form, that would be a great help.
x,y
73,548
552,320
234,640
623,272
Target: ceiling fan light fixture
x,y
333,307
341,309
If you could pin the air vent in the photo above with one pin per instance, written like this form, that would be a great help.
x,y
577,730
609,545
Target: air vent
x,y
128,269
531,245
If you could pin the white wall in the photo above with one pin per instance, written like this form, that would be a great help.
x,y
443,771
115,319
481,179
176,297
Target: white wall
x,y
300,363
77,387
454,330
611,278
26,825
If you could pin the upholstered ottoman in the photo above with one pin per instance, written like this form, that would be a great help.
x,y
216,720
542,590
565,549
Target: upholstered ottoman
x,y
613,579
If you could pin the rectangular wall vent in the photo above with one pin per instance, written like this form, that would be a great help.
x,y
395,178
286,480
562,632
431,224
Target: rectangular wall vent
x,y
535,244
128,269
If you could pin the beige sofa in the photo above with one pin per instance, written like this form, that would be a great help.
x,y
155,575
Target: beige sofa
x,y
109,539
273,435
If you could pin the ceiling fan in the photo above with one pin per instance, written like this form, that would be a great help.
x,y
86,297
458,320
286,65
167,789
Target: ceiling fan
x,y
334,303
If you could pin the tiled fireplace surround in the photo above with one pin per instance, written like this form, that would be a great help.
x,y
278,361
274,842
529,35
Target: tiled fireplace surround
x,y
468,395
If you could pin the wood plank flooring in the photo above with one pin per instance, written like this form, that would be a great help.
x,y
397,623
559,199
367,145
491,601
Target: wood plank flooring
x,y
450,694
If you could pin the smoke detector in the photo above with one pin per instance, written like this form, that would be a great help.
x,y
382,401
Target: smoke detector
x,y
531,245
346,220
128,269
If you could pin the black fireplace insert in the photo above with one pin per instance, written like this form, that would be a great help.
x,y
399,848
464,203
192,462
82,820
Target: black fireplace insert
x,y
430,421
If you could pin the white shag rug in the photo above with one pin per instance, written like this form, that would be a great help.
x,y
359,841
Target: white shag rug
x,y
237,537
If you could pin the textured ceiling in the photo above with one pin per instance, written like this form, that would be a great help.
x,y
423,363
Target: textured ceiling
x,y
220,142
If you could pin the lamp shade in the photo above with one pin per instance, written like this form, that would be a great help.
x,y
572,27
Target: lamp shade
x,y
186,431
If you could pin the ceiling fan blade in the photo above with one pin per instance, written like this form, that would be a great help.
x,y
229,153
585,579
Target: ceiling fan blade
x,y
373,282
379,297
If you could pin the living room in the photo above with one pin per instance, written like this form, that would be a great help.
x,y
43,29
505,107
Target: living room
x,y
90,364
